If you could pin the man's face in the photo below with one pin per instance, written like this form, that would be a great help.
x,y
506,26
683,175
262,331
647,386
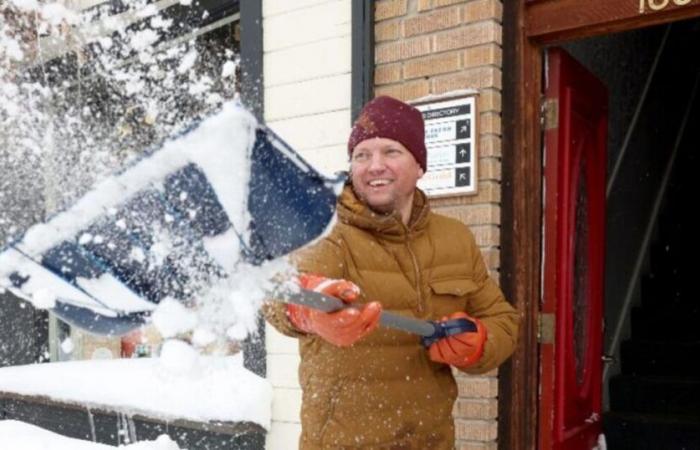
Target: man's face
x,y
384,175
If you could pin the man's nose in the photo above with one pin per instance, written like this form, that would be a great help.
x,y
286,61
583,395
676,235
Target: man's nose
x,y
377,162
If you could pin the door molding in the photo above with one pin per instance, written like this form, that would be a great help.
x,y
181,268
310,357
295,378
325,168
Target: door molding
x,y
561,20
521,209
529,26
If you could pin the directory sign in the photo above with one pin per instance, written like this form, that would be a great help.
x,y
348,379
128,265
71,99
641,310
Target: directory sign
x,y
450,137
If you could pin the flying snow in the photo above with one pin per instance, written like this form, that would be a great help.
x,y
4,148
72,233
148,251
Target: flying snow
x,y
97,108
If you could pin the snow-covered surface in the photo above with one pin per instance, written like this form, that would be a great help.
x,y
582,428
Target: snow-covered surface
x,y
181,384
445,95
16,435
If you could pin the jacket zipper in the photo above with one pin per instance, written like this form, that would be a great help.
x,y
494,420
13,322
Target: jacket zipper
x,y
416,270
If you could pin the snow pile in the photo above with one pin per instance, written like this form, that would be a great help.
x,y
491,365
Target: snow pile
x,y
181,384
16,435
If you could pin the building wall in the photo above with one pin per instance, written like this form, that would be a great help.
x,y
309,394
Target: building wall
x,y
307,68
430,47
423,47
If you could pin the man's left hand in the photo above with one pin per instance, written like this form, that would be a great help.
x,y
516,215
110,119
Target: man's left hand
x,y
461,350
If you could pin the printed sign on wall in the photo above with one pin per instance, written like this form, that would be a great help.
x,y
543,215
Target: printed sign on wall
x,y
450,137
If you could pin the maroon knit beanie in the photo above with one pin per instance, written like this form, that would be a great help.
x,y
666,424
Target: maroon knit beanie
x,y
386,117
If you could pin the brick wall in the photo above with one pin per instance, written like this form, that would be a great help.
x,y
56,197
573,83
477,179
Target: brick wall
x,y
428,47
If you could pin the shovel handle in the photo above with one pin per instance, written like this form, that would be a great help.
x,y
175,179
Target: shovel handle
x,y
429,331
448,328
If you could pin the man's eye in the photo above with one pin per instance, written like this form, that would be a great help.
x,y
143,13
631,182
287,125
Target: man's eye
x,y
358,156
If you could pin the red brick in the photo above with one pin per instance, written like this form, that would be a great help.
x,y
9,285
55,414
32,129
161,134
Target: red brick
x,y
476,409
410,90
387,31
483,214
489,169
432,65
471,445
472,215
433,21
489,100
483,55
424,5
486,235
439,3
405,49
482,10
493,373
387,73
469,36
476,430
477,387
476,78
489,123
386,9
486,192
490,145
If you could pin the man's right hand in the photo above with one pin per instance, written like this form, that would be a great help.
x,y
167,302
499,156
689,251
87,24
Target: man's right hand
x,y
342,328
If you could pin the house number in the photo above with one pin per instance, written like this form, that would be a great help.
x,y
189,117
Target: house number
x,y
658,5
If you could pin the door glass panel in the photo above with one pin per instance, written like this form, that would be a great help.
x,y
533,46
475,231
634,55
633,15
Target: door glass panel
x,y
581,270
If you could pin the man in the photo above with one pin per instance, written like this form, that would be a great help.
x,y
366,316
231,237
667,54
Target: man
x,y
368,387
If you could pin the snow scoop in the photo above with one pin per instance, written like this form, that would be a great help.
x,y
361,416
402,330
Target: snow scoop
x,y
172,223
430,331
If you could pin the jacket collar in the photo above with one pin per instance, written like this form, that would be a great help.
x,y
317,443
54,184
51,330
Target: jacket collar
x,y
352,211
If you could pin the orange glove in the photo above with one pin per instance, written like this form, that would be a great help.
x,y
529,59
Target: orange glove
x,y
461,350
342,328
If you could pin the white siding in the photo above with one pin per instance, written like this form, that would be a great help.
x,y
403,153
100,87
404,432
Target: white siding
x,y
329,128
329,57
298,26
307,98
306,63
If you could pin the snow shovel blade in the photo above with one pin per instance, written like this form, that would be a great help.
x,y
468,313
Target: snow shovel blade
x,y
167,226
429,331
290,203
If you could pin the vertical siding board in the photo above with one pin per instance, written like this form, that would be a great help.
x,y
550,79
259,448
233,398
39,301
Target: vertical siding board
x,y
307,73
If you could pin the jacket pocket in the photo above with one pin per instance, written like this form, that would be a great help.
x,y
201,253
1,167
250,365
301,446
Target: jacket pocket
x,y
453,286
450,295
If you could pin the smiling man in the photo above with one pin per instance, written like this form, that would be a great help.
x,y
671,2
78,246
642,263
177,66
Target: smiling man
x,y
375,388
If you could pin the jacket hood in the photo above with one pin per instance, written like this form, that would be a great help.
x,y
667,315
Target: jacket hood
x,y
352,211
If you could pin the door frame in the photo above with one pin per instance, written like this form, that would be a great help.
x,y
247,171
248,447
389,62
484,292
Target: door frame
x,y
528,27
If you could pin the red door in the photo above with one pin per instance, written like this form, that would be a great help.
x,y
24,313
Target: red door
x,y
574,250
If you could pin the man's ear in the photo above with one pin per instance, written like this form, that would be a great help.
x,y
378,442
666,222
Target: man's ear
x,y
420,172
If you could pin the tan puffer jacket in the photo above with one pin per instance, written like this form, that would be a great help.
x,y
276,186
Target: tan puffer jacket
x,y
384,391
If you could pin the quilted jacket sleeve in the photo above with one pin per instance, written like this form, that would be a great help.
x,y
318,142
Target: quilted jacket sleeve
x,y
498,316
322,258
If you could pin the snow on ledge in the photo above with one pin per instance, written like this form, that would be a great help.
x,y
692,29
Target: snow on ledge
x,y
18,435
211,389
445,95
